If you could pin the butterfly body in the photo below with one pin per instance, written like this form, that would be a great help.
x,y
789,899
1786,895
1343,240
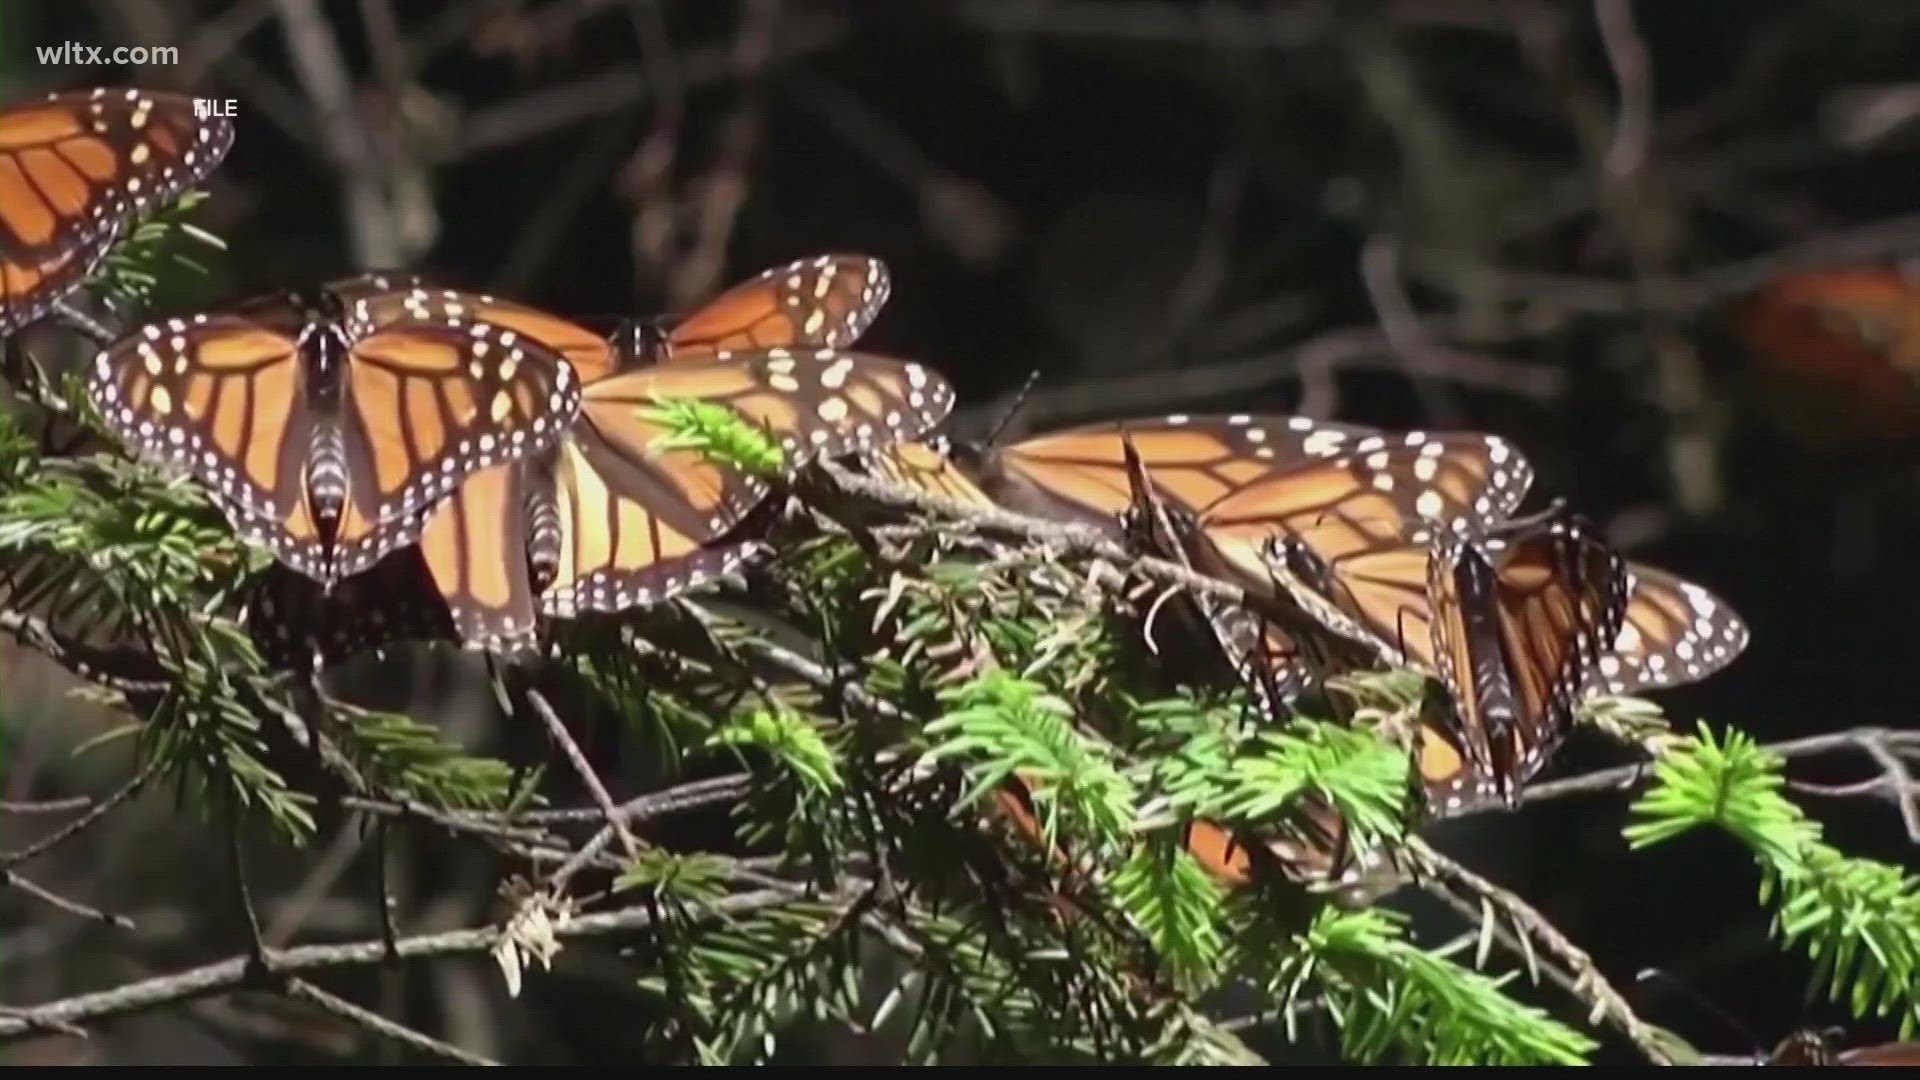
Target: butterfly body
x,y
323,345
640,343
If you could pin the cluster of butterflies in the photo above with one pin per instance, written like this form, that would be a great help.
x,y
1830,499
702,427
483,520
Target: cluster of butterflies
x,y
368,426
363,426
373,423
1354,548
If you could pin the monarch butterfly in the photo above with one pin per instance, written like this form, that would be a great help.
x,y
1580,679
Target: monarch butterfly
x,y
1278,650
1354,491
824,301
1520,618
1669,631
1816,1048
75,167
610,522
599,523
1510,616
1838,349
322,431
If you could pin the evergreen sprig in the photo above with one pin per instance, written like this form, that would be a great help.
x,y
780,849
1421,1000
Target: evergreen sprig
x,y
1393,1000
792,739
714,431
405,757
1006,725
1857,919
132,270
1172,899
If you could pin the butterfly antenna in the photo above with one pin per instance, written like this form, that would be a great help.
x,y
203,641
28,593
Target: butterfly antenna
x,y
1556,508
1012,410
1700,1000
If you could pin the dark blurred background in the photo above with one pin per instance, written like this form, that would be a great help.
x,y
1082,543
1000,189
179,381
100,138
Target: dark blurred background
x,y
1560,221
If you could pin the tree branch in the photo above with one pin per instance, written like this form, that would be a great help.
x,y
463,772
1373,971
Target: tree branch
x,y
558,729
380,1025
70,829
72,907
232,972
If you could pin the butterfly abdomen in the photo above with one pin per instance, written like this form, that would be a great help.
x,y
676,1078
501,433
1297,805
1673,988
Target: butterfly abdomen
x,y
544,535
1496,709
327,451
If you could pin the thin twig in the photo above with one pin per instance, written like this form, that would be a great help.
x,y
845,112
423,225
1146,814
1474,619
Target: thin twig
x,y
558,729
322,71
1589,984
722,192
1899,779
233,972
70,829
314,888
1621,777
75,319
1312,362
260,960
614,88
51,806
60,1027
1070,538
380,1025
71,907
389,933
473,823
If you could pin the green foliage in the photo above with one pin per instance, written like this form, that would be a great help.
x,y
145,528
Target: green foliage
x,y
1395,1001
400,756
1010,726
1167,894
716,432
131,272
1858,920
791,739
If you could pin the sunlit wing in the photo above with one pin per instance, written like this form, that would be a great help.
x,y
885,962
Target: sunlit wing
x,y
1080,473
639,519
826,301
929,467
476,545
75,168
1675,632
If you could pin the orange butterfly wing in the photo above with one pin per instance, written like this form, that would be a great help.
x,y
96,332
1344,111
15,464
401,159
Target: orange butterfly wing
x,y
825,301
75,168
